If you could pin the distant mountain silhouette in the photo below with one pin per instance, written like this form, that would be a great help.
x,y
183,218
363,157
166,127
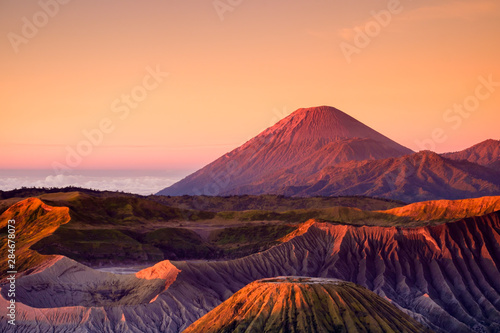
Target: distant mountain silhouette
x,y
486,153
323,151
305,141
417,177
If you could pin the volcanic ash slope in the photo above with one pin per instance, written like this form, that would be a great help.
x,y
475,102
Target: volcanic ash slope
x,y
301,304
446,276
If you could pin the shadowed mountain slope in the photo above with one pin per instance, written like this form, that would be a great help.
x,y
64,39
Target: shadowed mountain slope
x,y
417,177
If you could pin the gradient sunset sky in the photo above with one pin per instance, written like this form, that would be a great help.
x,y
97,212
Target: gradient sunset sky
x,y
235,70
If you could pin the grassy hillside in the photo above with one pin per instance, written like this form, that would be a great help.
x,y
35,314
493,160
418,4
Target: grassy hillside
x,y
109,228
277,203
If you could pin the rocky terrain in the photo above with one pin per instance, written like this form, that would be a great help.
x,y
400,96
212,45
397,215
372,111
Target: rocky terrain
x,y
120,230
103,229
444,275
302,304
35,221
66,283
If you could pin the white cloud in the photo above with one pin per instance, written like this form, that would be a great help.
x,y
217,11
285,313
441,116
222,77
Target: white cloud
x,y
144,185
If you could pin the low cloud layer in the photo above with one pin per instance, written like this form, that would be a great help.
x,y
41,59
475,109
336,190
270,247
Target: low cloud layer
x,y
144,185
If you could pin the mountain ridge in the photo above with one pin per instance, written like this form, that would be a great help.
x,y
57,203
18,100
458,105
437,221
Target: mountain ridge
x,y
322,151
445,276
291,140
421,176
485,153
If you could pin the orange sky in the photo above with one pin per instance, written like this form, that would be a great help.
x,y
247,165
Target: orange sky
x,y
229,79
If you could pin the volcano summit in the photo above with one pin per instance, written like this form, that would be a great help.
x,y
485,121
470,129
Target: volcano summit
x,y
323,151
301,144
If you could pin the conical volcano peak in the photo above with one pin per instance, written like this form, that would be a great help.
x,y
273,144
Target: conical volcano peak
x,y
323,124
319,112
302,304
302,143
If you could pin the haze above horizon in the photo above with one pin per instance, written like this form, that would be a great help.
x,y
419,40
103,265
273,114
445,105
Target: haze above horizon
x,y
172,86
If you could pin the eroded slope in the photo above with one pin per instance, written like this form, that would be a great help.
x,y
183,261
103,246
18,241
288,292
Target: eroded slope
x,y
299,304
445,276
34,221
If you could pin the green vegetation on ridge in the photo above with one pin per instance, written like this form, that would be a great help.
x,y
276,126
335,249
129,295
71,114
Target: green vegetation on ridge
x,y
111,228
